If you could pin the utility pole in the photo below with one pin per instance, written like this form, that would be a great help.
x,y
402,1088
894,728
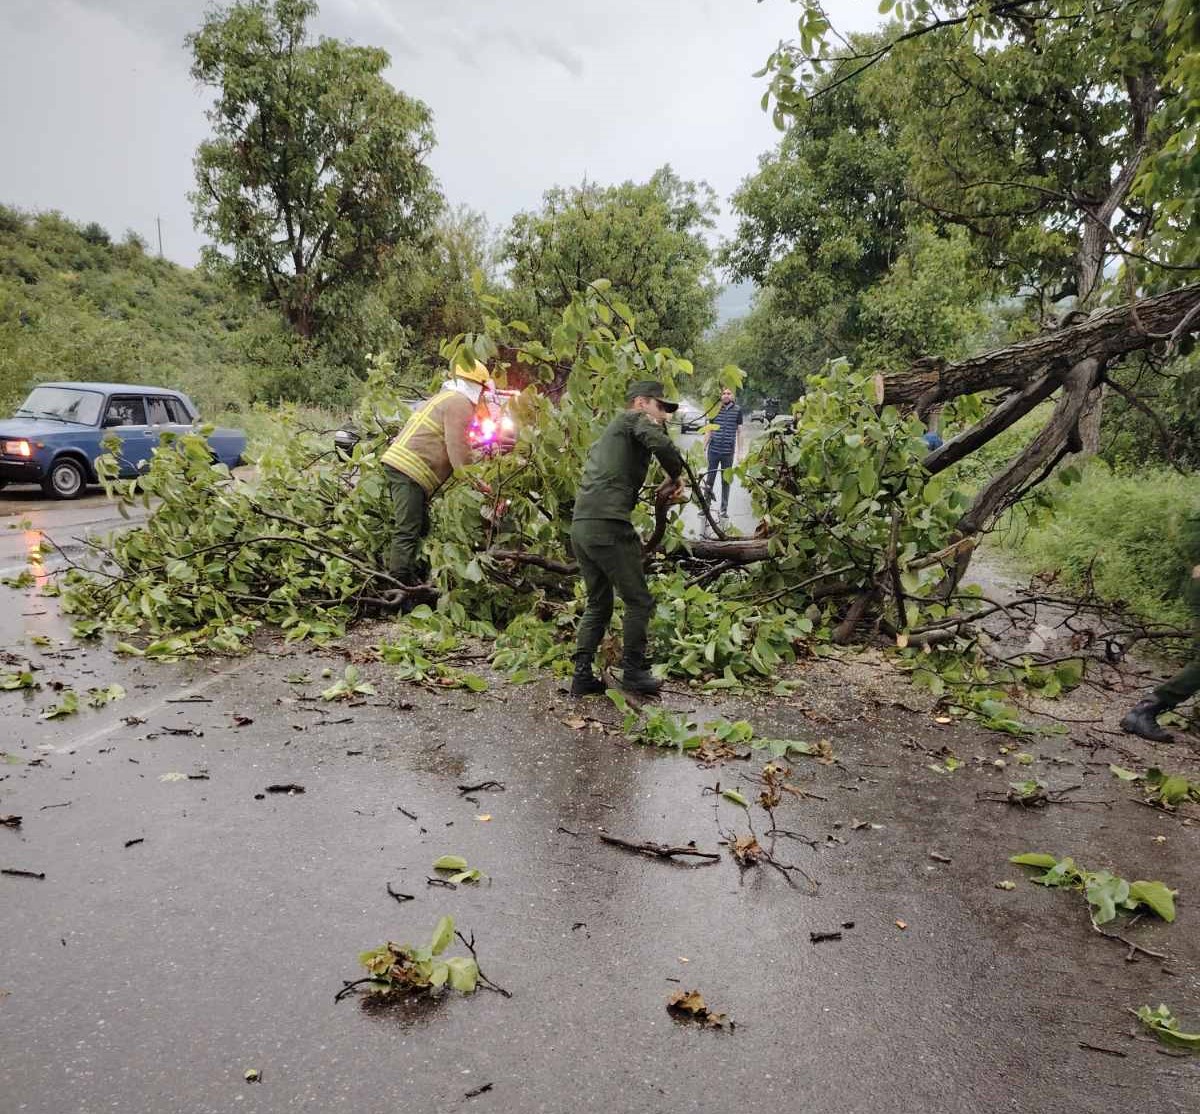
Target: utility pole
x,y
158,221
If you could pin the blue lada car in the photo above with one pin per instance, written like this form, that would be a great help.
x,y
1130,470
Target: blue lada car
x,y
55,436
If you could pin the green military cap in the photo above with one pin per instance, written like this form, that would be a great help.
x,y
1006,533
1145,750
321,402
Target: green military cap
x,y
650,388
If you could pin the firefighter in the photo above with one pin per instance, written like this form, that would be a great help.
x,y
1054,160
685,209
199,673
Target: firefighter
x,y
606,545
432,446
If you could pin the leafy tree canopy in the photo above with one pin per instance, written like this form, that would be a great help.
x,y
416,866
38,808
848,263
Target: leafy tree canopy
x,y
316,171
823,220
648,239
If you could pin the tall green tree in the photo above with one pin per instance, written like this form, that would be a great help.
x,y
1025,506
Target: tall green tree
x,y
1171,182
776,350
647,238
1027,124
317,169
431,289
823,219
828,227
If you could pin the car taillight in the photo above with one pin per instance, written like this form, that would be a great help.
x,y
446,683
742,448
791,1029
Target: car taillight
x,y
18,448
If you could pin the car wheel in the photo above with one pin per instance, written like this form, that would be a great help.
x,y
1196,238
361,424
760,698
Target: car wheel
x,y
66,480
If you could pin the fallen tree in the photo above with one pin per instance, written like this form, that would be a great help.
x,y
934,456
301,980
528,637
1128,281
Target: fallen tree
x,y
860,526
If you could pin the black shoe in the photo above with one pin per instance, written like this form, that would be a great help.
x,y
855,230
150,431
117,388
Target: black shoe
x,y
638,679
585,682
1142,719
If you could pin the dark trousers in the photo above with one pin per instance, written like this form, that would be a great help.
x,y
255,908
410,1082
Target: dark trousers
x,y
411,507
1186,683
718,461
609,553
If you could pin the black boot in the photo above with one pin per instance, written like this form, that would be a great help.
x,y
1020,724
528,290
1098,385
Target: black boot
x,y
1142,719
637,678
585,682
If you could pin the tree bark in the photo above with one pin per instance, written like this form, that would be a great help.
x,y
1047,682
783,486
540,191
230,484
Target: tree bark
x,y
1059,432
1011,410
1104,336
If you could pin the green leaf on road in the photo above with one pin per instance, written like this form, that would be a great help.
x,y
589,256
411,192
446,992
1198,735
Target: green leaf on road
x,y
1156,896
1034,858
1165,1026
98,697
443,934
68,706
464,973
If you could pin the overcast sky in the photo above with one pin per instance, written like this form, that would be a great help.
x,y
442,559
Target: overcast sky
x,y
100,118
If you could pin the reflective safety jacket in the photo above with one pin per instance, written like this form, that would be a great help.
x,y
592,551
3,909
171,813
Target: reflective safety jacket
x,y
433,443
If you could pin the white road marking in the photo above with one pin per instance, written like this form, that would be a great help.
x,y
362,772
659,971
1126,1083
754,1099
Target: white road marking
x,y
146,710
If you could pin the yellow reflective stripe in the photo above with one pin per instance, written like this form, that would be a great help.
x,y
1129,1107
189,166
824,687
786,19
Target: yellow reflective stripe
x,y
405,460
423,419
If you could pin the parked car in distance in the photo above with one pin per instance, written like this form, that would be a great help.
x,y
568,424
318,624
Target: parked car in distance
x,y
55,435
690,419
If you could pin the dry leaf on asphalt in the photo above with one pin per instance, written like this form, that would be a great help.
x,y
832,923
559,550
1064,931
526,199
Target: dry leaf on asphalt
x,y
690,1005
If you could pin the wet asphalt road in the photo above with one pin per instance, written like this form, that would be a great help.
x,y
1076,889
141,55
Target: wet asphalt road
x,y
151,976
25,513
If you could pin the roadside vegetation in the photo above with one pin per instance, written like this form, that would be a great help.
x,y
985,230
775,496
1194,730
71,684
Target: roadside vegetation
x,y
1032,311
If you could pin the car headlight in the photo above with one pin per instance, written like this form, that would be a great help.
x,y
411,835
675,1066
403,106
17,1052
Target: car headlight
x,y
18,448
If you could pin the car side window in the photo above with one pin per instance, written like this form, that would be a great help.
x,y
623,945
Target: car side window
x,y
178,412
124,411
156,410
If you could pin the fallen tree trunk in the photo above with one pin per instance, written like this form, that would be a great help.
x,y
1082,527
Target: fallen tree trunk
x,y
1104,336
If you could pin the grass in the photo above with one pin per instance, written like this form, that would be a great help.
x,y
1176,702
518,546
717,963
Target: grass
x,y
1123,533
76,306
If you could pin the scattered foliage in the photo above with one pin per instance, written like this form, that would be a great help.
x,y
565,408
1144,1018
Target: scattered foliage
x,y
1170,790
67,706
1106,893
350,686
457,869
403,967
98,697
654,726
1165,1026
690,1005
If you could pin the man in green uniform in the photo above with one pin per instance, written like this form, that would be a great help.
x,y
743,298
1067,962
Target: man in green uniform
x,y
1142,718
432,446
606,545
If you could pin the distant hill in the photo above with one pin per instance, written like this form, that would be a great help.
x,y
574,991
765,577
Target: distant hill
x,y
734,301
75,305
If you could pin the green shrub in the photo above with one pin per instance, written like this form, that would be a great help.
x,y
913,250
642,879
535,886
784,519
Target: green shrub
x,y
1124,532
75,306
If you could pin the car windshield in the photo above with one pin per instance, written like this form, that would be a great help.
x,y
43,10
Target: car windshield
x,y
66,404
